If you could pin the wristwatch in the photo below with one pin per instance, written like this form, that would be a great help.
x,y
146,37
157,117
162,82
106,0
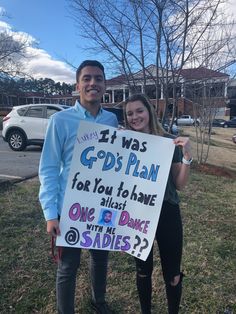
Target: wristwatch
x,y
187,162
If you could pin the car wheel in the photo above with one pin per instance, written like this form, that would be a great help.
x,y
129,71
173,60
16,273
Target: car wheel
x,y
225,125
17,141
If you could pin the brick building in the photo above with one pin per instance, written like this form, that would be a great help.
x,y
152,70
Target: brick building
x,y
192,85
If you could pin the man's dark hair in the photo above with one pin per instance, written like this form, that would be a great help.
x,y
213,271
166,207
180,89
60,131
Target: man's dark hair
x,y
92,63
106,212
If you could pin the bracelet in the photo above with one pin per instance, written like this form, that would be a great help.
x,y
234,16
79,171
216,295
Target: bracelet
x,y
187,162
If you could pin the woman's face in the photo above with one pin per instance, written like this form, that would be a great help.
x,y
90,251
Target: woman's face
x,y
137,116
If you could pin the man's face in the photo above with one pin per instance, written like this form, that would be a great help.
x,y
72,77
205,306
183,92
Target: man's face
x,y
91,85
107,217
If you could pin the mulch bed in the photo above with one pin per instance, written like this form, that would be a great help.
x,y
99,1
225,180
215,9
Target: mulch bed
x,y
215,170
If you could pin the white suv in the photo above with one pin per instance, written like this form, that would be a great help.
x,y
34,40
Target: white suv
x,y
26,125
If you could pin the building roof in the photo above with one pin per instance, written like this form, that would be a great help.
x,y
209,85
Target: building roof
x,y
200,73
118,80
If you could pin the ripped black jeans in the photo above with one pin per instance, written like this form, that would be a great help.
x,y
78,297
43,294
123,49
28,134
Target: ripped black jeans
x,y
169,236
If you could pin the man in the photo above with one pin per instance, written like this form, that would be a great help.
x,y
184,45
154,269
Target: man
x,y
53,173
106,219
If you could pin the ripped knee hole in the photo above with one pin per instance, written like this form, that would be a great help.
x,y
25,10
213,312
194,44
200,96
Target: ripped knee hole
x,y
143,276
175,281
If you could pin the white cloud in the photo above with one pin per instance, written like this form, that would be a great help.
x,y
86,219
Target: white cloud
x,y
232,7
229,8
4,26
38,63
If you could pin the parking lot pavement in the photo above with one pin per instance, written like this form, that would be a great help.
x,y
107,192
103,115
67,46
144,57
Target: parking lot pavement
x,y
18,166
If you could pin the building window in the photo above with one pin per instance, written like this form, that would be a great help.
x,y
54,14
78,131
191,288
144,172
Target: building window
x,y
150,91
118,95
217,90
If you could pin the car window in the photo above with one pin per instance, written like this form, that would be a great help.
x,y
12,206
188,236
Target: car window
x,y
21,111
36,112
51,111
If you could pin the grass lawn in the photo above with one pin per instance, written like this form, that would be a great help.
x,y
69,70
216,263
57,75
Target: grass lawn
x,y
27,272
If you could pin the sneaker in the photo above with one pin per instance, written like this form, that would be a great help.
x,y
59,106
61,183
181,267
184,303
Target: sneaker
x,y
101,308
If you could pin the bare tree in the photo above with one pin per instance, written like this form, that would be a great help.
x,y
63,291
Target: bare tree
x,y
116,29
12,51
171,34
206,96
215,50
183,26
13,47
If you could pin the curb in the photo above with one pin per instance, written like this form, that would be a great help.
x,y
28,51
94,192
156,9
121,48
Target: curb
x,y
7,183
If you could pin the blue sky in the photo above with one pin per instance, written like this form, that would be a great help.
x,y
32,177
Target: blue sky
x,y
48,22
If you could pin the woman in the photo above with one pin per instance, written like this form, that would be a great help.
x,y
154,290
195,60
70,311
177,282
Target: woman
x,y
140,116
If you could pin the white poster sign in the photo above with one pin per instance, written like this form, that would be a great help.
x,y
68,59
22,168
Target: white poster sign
x,y
115,190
